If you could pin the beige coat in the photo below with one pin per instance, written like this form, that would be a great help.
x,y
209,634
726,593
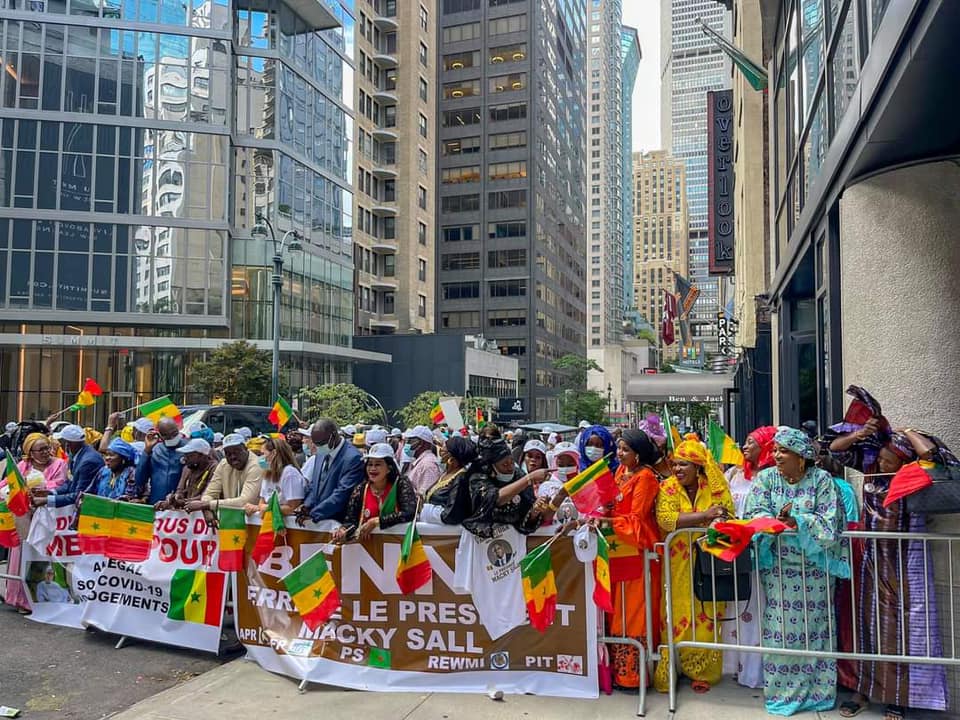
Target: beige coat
x,y
234,488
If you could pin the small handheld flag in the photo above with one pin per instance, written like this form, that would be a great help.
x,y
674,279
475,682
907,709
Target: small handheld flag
x,y
88,394
281,413
592,488
160,408
602,595
436,415
539,587
673,436
726,540
197,597
722,446
8,529
271,528
17,499
232,535
413,569
313,591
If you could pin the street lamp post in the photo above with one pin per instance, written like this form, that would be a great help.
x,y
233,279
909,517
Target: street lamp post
x,y
277,282
610,402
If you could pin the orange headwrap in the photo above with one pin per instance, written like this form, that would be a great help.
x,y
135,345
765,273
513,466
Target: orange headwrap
x,y
691,451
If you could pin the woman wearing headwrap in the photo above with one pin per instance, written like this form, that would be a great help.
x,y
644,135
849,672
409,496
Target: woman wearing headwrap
x,y
597,442
39,468
797,571
632,530
893,580
695,496
747,666
500,494
448,500
116,479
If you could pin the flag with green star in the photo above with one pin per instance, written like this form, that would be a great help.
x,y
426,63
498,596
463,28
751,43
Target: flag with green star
x,y
95,525
379,658
313,591
197,597
233,537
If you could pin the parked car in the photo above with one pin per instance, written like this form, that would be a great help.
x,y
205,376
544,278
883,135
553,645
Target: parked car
x,y
226,418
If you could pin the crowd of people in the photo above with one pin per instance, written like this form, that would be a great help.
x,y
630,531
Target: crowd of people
x,y
488,478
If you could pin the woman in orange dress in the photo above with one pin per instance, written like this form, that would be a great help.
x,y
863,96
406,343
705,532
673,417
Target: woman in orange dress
x,y
630,531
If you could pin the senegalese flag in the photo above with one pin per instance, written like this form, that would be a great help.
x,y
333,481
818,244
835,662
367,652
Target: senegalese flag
x,y
379,658
271,528
539,587
722,446
602,595
232,534
436,415
8,529
160,408
131,534
281,413
313,591
481,418
389,505
673,435
18,500
95,526
592,488
88,394
726,540
413,569
197,597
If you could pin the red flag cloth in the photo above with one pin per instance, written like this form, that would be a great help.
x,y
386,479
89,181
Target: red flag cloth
x,y
92,387
909,479
728,539
667,332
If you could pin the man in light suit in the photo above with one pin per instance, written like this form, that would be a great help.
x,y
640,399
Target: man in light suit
x,y
332,473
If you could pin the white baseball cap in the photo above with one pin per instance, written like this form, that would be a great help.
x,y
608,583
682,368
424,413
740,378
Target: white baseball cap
x,y
375,436
196,445
348,430
585,544
217,438
10,426
420,432
244,432
583,425
72,433
534,445
396,432
305,432
380,450
233,439
143,425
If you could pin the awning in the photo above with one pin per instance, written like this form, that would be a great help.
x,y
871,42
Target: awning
x,y
678,387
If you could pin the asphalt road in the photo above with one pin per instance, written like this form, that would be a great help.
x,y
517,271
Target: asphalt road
x,y
54,672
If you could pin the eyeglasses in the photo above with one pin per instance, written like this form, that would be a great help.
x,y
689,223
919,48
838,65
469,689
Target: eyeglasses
x,y
41,450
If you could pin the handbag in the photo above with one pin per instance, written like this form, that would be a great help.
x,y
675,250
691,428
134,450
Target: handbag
x,y
942,497
716,580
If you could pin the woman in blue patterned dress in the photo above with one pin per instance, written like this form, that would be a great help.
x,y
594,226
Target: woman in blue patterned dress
x,y
797,572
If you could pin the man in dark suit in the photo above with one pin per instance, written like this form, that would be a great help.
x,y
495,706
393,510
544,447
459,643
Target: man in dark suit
x,y
85,463
332,473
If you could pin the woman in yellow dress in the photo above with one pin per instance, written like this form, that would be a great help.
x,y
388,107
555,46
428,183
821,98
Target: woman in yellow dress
x,y
695,496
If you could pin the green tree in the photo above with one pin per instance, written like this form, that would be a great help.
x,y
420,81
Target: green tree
x,y
417,411
576,402
236,371
344,402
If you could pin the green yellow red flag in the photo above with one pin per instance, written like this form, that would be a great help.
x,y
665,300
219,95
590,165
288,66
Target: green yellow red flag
x,y
8,529
602,595
197,597
313,591
281,413
232,534
271,528
539,587
18,501
413,569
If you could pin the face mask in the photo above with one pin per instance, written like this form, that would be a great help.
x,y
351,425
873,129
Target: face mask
x,y
594,453
504,477
565,471
307,452
172,443
523,468
408,450
322,451
262,462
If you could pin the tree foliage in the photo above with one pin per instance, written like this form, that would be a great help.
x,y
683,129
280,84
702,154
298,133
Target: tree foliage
x,y
576,402
576,367
236,371
344,402
417,411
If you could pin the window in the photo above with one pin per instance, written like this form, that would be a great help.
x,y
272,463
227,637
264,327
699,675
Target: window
x,y
460,146
507,171
424,18
422,305
508,288
460,290
463,88
421,197
508,53
507,318
507,229
460,203
507,199
507,83
507,258
465,174
460,118
423,54
455,6
461,60
423,125
459,233
513,111
389,303
421,233
509,24
424,89
502,141
459,33
464,319
389,265
421,270
422,160
460,261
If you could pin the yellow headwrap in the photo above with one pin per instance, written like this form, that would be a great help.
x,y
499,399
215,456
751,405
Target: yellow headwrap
x,y
127,433
255,444
30,442
693,451
92,436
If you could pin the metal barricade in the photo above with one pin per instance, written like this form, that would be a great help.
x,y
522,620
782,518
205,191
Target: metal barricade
x,y
888,575
646,653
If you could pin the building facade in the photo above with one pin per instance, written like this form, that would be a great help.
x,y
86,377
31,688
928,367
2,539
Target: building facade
x,y
660,236
394,237
692,65
630,55
138,144
510,199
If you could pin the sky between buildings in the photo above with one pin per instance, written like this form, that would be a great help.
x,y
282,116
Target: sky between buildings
x,y
644,15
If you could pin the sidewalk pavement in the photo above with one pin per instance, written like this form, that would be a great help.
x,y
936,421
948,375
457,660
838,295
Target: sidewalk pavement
x,y
233,690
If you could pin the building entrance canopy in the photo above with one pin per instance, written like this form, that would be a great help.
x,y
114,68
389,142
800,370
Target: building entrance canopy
x,y
678,387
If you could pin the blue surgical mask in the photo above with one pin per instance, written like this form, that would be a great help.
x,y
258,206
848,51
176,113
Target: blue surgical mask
x,y
565,471
262,462
504,477
408,450
322,451
594,453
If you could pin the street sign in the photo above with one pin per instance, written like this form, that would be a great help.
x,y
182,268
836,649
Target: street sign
x,y
512,406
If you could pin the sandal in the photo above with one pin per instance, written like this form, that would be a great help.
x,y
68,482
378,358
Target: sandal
x,y
851,708
893,712
700,687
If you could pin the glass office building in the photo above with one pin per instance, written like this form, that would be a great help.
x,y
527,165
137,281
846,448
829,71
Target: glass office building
x,y
630,58
139,139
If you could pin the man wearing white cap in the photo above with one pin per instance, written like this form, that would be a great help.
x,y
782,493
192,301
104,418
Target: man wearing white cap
x,y
198,468
83,468
236,479
332,472
424,471
375,436
244,432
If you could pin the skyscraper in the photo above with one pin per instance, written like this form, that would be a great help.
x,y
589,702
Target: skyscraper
x,y
692,65
510,205
630,54
660,234
394,238
133,168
